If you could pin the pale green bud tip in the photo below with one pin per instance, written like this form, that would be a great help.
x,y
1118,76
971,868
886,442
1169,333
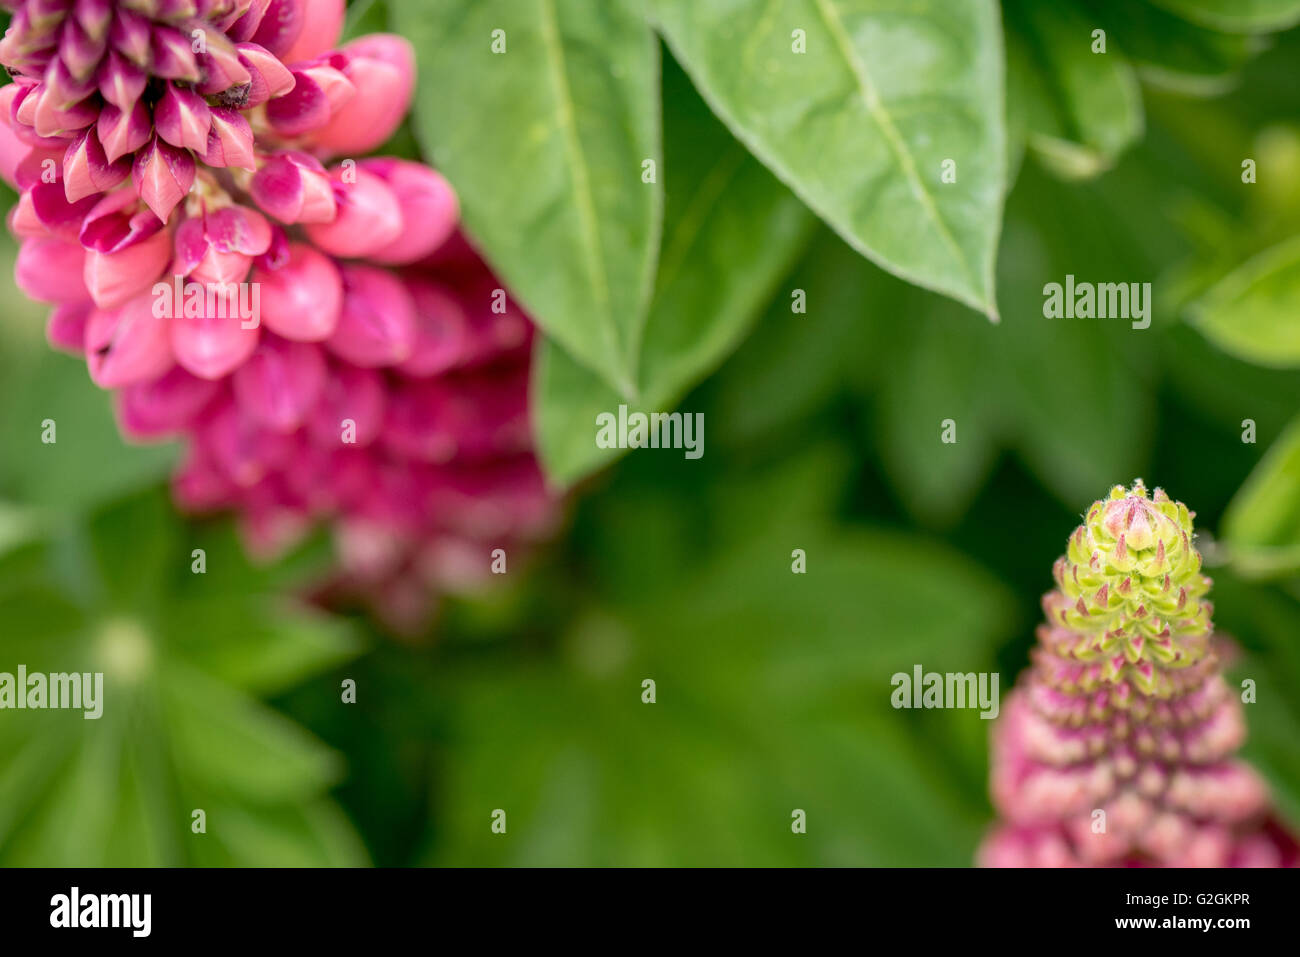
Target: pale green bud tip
x,y
1131,590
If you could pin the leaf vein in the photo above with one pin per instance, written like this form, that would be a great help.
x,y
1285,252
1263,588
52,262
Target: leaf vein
x,y
906,163
581,176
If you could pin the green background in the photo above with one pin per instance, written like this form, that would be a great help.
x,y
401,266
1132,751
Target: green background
x,y
822,434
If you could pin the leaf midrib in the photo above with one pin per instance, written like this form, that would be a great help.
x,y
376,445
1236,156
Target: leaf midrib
x,y
894,139
581,177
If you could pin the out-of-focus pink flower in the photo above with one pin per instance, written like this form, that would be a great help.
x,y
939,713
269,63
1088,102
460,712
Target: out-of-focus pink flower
x,y
377,322
325,342
302,299
50,270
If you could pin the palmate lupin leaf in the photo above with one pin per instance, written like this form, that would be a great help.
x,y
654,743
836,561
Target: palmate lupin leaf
x,y
179,728
1118,745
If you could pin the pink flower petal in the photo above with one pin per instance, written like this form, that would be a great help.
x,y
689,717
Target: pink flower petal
x,y
369,218
127,344
303,299
377,325
162,176
214,344
280,383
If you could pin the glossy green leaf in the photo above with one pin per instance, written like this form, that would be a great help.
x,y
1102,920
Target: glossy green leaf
x,y
1251,313
731,233
861,124
1262,523
546,143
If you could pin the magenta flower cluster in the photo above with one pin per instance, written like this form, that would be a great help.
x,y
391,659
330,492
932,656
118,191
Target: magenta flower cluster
x,y
195,205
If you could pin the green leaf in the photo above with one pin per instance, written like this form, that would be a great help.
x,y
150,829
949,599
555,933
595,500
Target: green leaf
x,y
1078,110
225,743
731,233
312,835
176,731
1262,523
1265,622
1237,16
930,381
860,125
794,362
365,16
1073,398
545,144
772,693
1173,53
264,657
1251,313
87,464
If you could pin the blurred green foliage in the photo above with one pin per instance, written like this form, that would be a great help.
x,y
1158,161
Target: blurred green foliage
x,y
184,656
771,689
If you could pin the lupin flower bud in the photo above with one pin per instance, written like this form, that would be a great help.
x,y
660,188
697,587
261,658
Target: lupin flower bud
x,y
183,118
87,169
50,270
126,249
319,90
368,219
162,175
122,70
219,246
322,23
1117,747
382,70
294,188
426,204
